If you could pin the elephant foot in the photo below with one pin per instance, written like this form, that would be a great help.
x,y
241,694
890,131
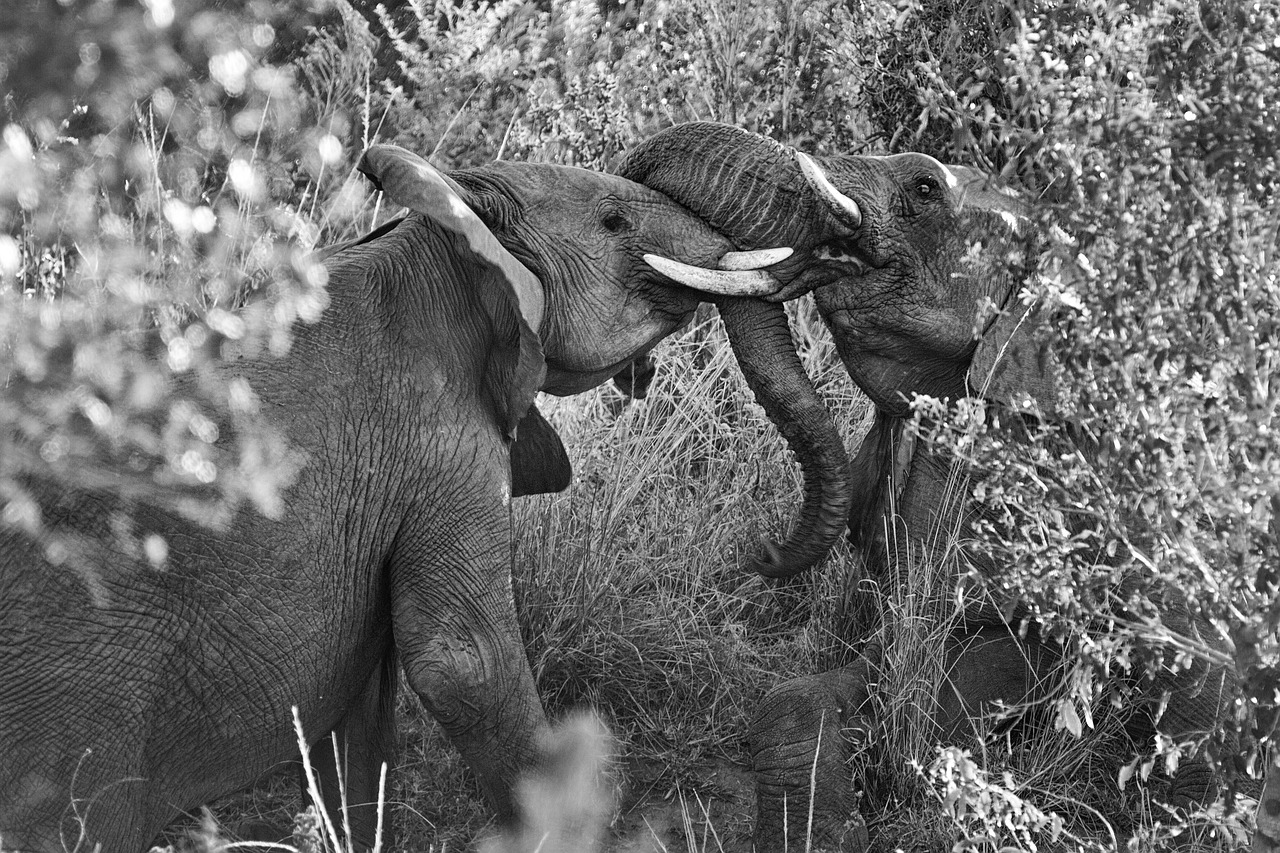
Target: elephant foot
x,y
1193,785
848,837
802,738
1267,837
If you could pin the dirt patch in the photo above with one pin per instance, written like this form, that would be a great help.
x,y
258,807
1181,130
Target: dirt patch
x,y
710,809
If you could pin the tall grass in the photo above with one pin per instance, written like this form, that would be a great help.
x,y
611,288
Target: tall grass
x,y
629,587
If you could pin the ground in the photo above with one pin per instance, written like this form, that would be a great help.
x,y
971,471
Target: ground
x,y
709,808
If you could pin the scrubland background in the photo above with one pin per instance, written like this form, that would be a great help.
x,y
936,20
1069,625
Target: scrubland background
x,y
172,165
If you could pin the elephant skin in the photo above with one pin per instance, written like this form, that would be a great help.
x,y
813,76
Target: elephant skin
x,y
812,727
807,728
908,257
131,692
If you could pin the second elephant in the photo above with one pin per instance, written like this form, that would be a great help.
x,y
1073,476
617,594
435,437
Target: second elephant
x,y
907,255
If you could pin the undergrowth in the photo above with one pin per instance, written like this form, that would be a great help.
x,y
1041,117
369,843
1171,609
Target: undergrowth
x,y
628,584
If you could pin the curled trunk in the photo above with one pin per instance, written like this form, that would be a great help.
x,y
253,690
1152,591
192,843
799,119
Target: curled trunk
x,y
747,187
761,340
750,189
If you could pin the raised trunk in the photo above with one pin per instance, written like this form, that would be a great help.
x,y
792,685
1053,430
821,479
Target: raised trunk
x,y
751,190
761,340
747,187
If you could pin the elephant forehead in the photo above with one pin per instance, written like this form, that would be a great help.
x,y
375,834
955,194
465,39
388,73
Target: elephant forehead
x,y
549,184
915,163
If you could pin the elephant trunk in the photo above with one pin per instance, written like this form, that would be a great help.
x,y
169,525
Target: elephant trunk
x,y
761,340
751,189
748,187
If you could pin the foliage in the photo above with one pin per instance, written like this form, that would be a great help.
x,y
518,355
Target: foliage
x,y
161,188
990,817
149,224
577,82
1147,131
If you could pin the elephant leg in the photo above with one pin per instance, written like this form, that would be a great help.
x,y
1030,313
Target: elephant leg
x,y
803,731
1267,837
989,668
454,622
1199,699
366,737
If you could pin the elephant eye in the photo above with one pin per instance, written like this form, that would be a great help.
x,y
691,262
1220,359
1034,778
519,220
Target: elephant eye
x,y
926,187
615,221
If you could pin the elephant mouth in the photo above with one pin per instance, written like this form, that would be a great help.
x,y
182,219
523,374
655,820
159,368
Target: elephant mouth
x,y
563,381
845,250
848,255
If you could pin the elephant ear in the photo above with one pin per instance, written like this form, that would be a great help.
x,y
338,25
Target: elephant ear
x,y
979,193
382,230
539,463
510,294
1012,363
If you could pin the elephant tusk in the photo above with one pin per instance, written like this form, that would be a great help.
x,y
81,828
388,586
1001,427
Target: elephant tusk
x,y
755,259
845,208
719,282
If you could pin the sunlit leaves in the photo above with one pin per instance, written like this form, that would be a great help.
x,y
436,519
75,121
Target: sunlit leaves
x,y
148,231
1148,133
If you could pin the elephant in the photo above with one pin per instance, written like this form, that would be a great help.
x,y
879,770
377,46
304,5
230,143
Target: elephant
x,y
1267,837
161,685
906,256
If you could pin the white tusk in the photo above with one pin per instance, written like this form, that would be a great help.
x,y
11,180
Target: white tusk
x,y
754,259
845,208
720,282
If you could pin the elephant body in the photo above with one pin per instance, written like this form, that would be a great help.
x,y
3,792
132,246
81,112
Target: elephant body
x,y
917,266
149,690
132,690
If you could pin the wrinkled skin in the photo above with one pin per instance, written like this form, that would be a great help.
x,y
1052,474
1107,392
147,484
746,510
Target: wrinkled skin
x,y
758,329
908,285
811,727
1267,837
149,691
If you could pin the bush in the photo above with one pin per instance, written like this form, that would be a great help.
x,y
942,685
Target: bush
x,y
1147,132
151,184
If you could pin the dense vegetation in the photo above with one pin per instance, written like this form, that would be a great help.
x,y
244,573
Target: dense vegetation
x,y
171,166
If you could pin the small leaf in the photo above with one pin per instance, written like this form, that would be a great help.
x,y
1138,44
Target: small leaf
x,y
1068,718
1126,773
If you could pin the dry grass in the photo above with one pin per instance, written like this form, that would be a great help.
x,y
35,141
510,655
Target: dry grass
x,y
629,585
632,603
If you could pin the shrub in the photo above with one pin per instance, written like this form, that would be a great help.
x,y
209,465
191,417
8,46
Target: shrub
x,y
1147,132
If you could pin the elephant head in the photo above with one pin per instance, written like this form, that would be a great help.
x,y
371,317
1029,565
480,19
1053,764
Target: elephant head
x,y
909,261
750,187
583,252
